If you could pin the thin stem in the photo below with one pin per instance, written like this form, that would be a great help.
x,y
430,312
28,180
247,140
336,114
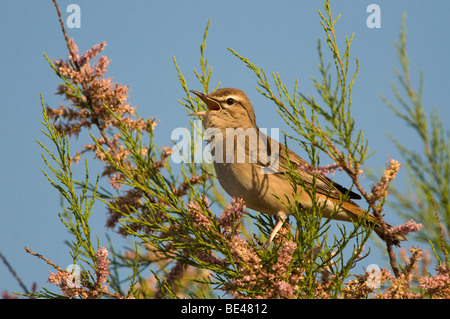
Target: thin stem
x,y
14,273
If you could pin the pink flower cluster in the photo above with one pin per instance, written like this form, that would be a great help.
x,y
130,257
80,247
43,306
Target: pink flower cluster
x,y
65,281
380,190
324,170
437,286
102,272
95,100
229,225
253,274
230,219
86,88
410,284
73,284
267,282
405,229
195,211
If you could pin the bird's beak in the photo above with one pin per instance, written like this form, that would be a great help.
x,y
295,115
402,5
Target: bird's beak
x,y
212,104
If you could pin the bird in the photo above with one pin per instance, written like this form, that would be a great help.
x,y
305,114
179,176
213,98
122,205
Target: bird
x,y
234,137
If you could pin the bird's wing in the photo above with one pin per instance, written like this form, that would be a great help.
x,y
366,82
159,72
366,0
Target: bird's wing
x,y
322,183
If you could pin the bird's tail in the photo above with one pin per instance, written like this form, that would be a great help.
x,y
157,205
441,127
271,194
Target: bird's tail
x,y
395,238
354,213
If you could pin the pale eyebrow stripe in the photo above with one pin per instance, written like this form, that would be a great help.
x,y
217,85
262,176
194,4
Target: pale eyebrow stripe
x,y
224,98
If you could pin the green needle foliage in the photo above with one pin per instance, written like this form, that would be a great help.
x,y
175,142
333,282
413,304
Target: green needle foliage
x,y
428,198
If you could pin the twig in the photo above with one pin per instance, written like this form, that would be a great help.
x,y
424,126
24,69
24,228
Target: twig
x,y
353,173
13,272
387,240
44,259
74,60
441,230
61,22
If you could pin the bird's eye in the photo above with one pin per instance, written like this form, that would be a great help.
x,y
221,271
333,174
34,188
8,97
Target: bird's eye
x,y
230,101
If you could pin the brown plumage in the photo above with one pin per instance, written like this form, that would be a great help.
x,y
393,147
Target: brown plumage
x,y
231,117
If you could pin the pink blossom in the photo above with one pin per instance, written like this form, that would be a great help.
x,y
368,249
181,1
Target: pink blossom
x,y
231,216
284,289
102,265
403,230
195,211
64,280
438,285
55,279
116,180
211,259
286,253
381,189
324,170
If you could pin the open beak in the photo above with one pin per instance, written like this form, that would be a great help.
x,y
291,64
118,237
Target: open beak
x,y
212,104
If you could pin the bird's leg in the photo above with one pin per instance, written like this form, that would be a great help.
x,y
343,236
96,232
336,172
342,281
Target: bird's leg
x,y
281,219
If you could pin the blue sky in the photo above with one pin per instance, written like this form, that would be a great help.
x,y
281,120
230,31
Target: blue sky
x,y
142,37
